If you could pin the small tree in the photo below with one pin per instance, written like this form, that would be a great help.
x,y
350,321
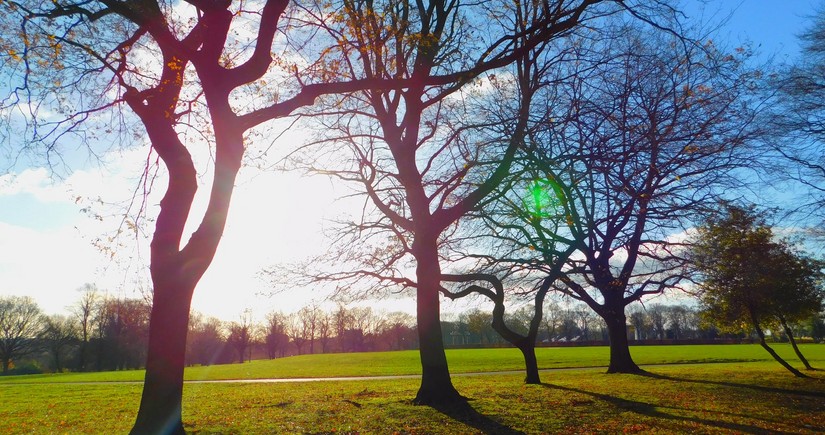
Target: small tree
x,y
20,325
240,335
275,336
742,275
84,310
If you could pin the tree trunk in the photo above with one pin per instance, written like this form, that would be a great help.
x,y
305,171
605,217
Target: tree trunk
x,y
620,359
531,365
791,338
436,386
773,353
81,364
6,363
160,405
176,271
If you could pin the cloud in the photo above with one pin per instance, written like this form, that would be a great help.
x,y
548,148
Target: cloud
x,y
45,265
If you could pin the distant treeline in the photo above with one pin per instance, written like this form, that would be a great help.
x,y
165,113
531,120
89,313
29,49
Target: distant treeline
x,y
105,333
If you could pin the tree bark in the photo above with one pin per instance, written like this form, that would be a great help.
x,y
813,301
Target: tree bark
x,y
160,405
620,359
773,353
791,338
531,365
436,386
525,343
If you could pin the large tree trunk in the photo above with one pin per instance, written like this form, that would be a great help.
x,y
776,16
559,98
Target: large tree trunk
x,y
160,405
773,353
791,338
620,359
436,386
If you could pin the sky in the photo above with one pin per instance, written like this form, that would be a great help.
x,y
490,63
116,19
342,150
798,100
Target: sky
x,y
52,240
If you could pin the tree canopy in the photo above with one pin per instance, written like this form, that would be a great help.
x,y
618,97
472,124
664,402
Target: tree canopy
x,y
747,280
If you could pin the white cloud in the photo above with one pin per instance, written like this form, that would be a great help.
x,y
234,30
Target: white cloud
x,y
45,265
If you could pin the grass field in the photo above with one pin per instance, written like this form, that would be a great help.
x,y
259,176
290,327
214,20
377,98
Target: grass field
x,y
460,360
748,394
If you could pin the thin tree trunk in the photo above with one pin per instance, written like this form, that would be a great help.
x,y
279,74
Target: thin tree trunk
x,y
526,344
773,353
791,338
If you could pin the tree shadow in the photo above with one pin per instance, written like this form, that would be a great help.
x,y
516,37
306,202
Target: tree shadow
x,y
462,411
650,410
759,388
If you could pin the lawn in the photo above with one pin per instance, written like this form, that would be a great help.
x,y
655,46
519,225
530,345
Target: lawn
x,y
460,360
751,395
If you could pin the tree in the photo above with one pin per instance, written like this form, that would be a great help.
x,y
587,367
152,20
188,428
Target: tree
x,y
521,335
205,343
123,333
480,323
59,334
798,289
399,331
799,120
240,335
421,156
324,330
83,310
182,72
743,274
642,136
297,328
275,337
20,326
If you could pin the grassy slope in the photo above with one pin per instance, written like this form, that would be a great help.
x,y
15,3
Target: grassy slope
x,y
757,397
461,361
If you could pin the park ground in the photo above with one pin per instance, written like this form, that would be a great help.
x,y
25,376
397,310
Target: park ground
x,y
688,389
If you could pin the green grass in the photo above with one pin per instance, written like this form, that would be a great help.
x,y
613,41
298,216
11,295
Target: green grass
x,y
755,397
461,361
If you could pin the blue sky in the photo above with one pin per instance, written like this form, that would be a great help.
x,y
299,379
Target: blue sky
x,y
47,244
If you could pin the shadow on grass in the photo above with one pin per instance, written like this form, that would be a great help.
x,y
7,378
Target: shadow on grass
x,y
760,388
465,413
649,409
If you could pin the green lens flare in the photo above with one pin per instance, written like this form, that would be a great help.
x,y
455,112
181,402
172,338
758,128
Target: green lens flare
x,y
545,199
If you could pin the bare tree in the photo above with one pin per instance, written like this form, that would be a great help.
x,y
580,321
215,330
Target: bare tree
x,y
640,140
83,311
183,70
798,119
240,335
59,334
275,337
206,343
299,328
324,330
19,328
422,156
